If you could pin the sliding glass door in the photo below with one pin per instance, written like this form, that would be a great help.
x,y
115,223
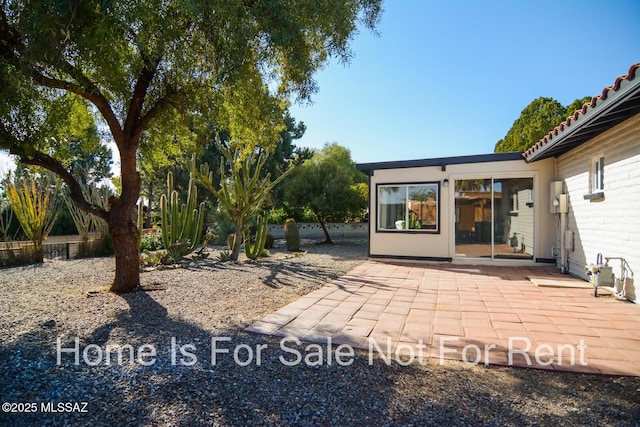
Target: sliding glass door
x,y
494,218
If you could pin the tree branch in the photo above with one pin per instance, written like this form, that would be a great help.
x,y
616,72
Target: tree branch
x,y
157,108
10,42
132,124
92,95
53,165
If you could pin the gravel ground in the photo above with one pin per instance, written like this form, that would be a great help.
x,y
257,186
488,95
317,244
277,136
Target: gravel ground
x,y
207,301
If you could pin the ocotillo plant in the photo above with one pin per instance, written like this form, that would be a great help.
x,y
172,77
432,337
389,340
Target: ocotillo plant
x,y
6,216
253,250
31,204
243,191
181,223
86,222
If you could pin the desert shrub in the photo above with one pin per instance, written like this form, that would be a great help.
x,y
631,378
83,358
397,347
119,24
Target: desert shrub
x,y
151,242
64,224
277,216
225,256
280,215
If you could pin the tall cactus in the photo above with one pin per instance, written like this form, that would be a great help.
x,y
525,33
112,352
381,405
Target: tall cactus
x,y
292,235
244,190
253,250
182,224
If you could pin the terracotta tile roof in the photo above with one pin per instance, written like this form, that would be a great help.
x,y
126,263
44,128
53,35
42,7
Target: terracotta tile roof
x,y
581,112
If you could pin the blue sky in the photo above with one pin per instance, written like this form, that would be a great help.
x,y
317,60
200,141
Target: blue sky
x,y
448,78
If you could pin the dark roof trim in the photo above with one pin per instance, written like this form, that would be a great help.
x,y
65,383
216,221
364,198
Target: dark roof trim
x,y
616,104
441,161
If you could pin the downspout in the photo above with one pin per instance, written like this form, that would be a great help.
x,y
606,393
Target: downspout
x,y
371,201
563,249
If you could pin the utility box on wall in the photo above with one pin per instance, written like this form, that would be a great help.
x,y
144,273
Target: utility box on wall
x,y
562,205
558,201
555,190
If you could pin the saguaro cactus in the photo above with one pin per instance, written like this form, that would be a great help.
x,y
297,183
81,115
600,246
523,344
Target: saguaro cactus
x,y
182,224
292,235
254,249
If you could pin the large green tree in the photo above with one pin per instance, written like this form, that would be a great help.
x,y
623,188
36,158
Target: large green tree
x,y
156,160
79,144
148,65
329,184
535,121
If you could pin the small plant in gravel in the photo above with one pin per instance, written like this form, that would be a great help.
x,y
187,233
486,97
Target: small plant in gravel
x,y
208,236
225,256
151,259
176,252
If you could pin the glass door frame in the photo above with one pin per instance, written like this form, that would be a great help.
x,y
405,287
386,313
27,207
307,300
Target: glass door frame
x,y
492,177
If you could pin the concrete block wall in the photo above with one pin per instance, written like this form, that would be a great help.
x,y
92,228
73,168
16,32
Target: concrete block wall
x,y
610,225
313,230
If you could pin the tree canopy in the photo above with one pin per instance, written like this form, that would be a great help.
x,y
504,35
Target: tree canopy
x,y
535,121
329,184
154,65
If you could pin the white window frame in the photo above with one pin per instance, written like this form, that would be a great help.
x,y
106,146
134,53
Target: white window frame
x,y
597,174
406,218
514,201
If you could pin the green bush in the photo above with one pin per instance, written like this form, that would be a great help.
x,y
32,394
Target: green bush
x,y
151,242
277,216
64,225
280,215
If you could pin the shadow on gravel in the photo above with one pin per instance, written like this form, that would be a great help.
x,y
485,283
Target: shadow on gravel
x,y
185,385
281,275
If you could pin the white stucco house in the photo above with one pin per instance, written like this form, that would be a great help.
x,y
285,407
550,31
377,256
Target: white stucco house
x,y
573,195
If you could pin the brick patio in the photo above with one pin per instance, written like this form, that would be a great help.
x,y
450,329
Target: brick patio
x,y
476,314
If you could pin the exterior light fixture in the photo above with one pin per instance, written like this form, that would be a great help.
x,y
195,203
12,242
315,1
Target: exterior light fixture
x,y
445,183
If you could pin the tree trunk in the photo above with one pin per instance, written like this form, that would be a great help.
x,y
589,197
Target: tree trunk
x,y
123,228
125,244
38,252
328,240
237,240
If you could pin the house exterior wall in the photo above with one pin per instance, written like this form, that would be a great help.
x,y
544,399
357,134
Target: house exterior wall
x,y
521,223
441,245
611,225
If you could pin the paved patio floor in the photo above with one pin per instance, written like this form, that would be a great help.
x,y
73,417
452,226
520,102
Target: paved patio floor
x,y
477,314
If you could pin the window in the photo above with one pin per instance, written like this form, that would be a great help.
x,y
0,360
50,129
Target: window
x,y
514,201
597,175
410,207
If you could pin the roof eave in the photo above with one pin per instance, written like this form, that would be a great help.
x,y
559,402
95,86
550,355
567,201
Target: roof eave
x,y
594,118
441,162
